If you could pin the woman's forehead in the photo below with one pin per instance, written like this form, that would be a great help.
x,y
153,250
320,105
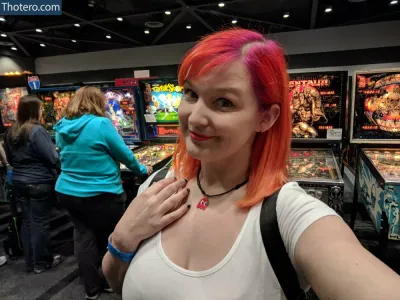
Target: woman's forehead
x,y
231,76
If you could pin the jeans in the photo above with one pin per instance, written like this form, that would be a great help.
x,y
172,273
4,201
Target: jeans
x,y
94,219
36,204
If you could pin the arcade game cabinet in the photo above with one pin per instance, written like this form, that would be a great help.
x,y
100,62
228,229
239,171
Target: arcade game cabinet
x,y
376,131
12,88
55,99
122,109
317,103
160,100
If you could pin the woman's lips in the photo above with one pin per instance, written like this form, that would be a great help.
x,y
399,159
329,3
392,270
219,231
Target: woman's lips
x,y
199,137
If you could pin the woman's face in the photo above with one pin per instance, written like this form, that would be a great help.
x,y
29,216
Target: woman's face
x,y
219,114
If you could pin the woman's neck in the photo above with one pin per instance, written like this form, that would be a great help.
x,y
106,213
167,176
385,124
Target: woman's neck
x,y
220,176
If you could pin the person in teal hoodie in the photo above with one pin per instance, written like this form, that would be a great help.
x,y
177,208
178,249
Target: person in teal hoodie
x,y
89,185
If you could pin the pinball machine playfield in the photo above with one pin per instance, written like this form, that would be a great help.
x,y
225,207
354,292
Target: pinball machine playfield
x,y
318,103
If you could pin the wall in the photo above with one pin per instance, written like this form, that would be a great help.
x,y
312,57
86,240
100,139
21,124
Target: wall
x,y
12,64
356,37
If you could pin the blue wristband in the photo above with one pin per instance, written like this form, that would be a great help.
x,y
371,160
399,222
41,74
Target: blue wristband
x,y
124,256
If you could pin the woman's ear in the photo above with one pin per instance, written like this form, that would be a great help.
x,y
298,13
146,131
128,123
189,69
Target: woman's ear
x,y
267,117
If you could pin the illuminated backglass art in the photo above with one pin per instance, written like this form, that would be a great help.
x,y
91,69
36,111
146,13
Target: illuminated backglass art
x,y
54,103
121,110
316,103
377,106
162,99
9,99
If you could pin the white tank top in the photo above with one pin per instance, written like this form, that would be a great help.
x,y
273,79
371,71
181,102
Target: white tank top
x,y
244,273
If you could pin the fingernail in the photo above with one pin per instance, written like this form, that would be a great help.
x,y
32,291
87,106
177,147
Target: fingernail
x,y
188,190
188,206
185,180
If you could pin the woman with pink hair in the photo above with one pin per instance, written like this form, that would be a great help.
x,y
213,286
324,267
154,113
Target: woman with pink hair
x,y
198,235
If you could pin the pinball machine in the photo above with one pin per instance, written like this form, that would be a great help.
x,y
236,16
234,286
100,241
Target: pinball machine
x,y
160,102
55,100
375,130
12,88
317,104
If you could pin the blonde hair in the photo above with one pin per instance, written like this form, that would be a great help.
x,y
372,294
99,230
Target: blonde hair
x,y
87,100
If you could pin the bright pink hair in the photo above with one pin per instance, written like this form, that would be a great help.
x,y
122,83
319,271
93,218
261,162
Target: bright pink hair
x,y
265,62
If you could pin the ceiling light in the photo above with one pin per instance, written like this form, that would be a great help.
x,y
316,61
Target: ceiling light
x,y
42,45
2,19
39,30
146,31
74,41
77,25
188,26
234,21
14,48
286,15
120,19
328,9
4,35
167,12
221,4
108,36
394,2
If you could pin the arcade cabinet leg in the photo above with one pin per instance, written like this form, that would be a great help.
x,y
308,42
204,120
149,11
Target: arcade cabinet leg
x,y
383,238
355,194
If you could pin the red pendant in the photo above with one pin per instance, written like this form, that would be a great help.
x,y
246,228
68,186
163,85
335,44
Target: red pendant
x,y
203,203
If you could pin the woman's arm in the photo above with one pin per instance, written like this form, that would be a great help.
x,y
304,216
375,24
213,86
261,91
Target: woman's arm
x,y
339,268
119,150
43,146
148,213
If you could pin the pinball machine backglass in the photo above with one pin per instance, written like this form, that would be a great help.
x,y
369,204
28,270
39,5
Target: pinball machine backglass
x,y
318,106
54,101
376,122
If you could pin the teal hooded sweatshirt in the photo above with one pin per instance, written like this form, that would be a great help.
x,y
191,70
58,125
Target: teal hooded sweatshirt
x,y
90,149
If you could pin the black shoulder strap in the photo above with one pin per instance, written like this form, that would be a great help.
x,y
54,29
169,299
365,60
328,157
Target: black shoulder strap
x,y
276,251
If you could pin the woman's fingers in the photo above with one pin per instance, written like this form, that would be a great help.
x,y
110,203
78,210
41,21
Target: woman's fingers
x,y
173,202
158,186
170,190
173,216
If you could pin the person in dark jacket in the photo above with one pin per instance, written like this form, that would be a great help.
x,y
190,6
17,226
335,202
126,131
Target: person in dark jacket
x,y
33,156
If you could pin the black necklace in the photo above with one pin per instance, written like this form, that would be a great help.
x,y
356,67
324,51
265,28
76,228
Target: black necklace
x,y
203,203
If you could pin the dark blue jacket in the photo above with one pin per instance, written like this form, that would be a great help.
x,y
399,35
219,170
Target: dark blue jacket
x,y
35,162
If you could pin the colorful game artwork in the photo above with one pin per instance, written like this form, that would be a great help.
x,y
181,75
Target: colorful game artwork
x,y
387,162
121,110
377,106
316,103
61,100
9,100
312,165
162,99
54,103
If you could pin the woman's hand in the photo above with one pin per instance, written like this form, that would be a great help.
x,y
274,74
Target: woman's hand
x,y
151,211
149,170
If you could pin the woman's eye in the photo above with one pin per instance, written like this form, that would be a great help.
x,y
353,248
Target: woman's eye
x,y
224,103
189,95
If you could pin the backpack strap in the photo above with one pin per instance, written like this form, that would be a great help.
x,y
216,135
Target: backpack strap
x,y
276,251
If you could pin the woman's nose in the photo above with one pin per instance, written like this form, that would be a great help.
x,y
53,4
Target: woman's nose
x,y
199,114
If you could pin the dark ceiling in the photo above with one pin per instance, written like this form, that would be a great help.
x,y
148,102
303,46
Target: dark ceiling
x,y
98,18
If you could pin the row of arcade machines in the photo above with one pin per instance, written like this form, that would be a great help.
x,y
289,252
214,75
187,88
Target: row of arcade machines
x,y
143,112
